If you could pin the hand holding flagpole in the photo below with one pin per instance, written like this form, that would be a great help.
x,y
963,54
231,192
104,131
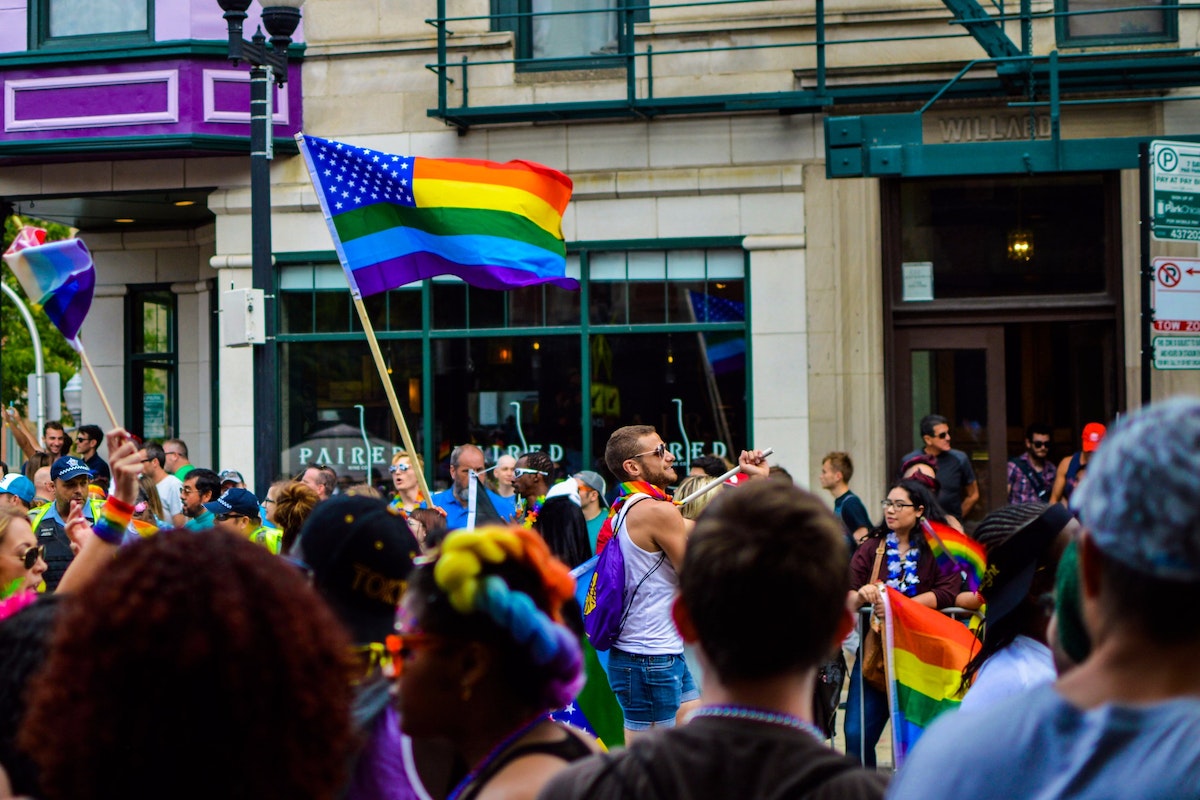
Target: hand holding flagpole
x,y
708,487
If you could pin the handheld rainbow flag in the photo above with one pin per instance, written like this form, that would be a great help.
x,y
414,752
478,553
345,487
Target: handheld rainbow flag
x,y
926,654
957,551
398,219
56,276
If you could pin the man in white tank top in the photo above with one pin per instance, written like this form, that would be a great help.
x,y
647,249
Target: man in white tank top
x,y
645,665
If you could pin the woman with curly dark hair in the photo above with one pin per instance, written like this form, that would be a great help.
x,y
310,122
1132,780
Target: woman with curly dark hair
x,y
193,667
483,658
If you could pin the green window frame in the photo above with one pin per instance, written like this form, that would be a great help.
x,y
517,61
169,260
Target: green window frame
x,y
519,17
651,281
44,33
1079,23
152,361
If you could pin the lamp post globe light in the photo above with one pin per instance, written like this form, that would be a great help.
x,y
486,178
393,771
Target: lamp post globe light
x,y
267,64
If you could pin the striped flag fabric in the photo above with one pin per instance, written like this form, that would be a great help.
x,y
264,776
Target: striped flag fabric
x,y
58,277
596,709
956,551
726,352
399,219
926,653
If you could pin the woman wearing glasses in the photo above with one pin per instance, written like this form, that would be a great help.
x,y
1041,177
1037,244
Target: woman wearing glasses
x,y
21,561
482,658
404,480
896,554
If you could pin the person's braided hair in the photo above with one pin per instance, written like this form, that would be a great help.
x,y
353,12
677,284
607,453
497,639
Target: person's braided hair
x,y
502,586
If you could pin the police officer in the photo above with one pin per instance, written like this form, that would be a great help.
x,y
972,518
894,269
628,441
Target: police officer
x,y
237,509
70,476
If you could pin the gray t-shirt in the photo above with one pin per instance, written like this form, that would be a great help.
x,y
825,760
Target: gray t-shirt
x,y
954,473
1037,746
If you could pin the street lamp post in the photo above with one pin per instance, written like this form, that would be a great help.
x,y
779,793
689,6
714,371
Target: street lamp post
x,y
280,20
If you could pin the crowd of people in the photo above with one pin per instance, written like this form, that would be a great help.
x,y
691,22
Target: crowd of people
x,y
165,632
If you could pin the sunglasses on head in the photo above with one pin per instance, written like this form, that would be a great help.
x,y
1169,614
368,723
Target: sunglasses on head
x,y
394,468
31,556
521,471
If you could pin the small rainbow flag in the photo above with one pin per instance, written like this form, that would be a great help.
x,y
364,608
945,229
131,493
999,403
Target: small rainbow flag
x,y
398,219
56,276
926,654
956,551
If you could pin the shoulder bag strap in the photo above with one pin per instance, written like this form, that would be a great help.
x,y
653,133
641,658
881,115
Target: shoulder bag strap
x,y
878,559
1039,485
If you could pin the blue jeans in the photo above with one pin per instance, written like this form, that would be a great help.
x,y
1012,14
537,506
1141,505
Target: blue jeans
x,y
650,689
874,706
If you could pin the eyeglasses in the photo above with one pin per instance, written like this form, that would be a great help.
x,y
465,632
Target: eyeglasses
x,y
270,500
402,647
1040,443
942,435
394,468
520,472
186,490
172,453
31,556
228,517
658,452
896,504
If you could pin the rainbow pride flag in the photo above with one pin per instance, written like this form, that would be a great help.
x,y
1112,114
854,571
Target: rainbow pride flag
x,y
58,277
926,653
957,551
398,219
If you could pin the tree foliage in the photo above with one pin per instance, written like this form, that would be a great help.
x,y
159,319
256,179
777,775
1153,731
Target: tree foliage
x,y
16,346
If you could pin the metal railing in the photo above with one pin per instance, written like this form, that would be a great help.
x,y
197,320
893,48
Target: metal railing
x,y
631,66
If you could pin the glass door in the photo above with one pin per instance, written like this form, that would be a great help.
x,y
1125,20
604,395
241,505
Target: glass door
x,y
957,372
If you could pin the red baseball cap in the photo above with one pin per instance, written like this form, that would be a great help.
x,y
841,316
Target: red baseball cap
x,y
1093,433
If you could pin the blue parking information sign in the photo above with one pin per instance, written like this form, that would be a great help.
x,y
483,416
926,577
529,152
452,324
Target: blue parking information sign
x,y
1175,182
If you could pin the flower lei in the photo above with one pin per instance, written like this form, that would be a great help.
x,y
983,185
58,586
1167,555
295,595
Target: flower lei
x,y
397,505
902,572
530,515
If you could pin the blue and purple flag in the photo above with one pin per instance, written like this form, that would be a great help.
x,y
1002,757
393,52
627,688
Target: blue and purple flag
x,y
58,277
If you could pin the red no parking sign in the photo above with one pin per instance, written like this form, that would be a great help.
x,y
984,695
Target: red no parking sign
x,y
1177,295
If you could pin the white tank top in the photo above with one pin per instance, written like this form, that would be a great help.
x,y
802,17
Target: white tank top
x,y
649,629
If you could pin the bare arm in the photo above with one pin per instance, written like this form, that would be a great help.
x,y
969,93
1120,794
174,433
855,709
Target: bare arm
x,y
25,439
656,525
96,552
1060,481
970,497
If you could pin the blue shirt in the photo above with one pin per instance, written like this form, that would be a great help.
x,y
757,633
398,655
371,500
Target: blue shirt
x,y
203,522
1038,746
456,515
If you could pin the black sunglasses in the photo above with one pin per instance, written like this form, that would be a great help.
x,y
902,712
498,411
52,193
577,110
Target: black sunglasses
x,y
32,555
227,517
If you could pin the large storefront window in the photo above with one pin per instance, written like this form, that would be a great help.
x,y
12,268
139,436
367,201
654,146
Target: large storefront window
x,y
663,340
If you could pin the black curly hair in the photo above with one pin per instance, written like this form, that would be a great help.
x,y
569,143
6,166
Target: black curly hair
x,y
197,666
24,638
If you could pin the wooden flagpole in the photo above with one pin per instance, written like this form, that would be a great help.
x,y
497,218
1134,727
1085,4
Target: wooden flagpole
x,y
390,391
87,365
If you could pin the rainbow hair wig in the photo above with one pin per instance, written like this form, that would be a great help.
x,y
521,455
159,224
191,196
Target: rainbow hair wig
x,y
459,572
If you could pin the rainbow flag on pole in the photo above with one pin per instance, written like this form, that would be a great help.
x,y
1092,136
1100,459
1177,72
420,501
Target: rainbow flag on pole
x,y
926,654
956,551
58,277
398,219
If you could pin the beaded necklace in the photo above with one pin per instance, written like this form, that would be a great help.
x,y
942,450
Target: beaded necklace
x,y
902,572
399,506
495,753
530,515
760,715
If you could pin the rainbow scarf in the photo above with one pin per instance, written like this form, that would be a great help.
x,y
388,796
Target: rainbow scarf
x,y
926,652
399,219
955,551
628,488
58,277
